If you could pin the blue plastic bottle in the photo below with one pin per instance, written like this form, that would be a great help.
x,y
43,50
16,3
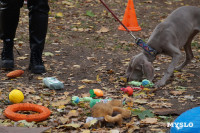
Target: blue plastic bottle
x,y
53,83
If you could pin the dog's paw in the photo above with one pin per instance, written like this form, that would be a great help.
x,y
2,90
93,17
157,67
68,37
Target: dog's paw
x,y
159,84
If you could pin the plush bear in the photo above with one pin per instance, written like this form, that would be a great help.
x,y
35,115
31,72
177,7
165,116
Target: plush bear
x,y
107,110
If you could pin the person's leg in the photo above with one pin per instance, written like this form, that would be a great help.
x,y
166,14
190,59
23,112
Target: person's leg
x,y
9,17
38,23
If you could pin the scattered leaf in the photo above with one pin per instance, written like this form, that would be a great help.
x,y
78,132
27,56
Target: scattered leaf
x,y
176,92
48,54
103,30
21,58
90,13
149,121
72,113
88,81
24,123
143,114
59,15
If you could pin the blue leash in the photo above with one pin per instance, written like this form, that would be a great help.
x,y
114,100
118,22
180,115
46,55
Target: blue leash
x,y
146,47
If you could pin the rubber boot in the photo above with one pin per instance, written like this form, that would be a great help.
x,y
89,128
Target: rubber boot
x,y
38,23
7,58
9,17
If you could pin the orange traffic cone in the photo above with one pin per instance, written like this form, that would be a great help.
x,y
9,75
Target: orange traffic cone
x,y
130,19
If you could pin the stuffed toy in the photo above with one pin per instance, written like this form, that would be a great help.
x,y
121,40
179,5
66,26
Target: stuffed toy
x,y
107,110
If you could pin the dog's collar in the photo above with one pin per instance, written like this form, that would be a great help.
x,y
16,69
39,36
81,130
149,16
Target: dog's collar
x,y
146,47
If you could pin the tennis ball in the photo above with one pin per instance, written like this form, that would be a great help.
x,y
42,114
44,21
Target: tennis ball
x,y
16,96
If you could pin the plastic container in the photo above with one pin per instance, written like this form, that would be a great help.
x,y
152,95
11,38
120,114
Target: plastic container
x,y
89,119
53,83
94,101
76,99
187,122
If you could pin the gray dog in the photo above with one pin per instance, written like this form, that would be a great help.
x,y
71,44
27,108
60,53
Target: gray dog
x,y
168,37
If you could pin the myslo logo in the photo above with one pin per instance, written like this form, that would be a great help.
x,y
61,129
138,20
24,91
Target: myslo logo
x,y
180,125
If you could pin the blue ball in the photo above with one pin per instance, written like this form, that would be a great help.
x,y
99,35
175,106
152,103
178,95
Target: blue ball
x,y
187,122
145,82
77,100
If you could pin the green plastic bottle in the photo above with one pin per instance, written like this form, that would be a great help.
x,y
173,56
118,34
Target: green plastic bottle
x,y
94,101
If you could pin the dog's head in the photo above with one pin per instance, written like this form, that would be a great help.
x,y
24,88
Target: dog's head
x,y
138,67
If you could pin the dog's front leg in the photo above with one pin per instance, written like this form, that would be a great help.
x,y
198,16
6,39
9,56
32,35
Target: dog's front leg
x,y
175,59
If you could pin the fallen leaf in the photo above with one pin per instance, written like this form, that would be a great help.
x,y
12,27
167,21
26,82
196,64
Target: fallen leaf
x,y
24,123
59,15
21,58
159,105
85,131
114,131
63,119
176,92
61,102
103,30
149,121
90,13
189,97
72,113
90,123
142,114
140,101
81,87
40,78
48,54
61,107
88,81
72,125
76,66
149,1
98,79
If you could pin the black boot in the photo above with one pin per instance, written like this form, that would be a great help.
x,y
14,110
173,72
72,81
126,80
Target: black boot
x,y
7,54
36,64
38,22
9,17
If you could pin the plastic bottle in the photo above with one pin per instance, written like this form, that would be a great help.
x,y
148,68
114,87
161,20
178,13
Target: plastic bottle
x,y
135,83
187,122
76,99
94,101
92,118
53,83
144,83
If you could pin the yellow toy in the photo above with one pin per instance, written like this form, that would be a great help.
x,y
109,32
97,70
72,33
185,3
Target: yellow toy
x,y
16,96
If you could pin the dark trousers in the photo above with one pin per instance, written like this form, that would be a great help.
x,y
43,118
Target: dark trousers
x,y
38,20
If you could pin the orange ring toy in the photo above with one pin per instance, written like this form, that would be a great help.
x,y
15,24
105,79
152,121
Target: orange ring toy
x,y
44,112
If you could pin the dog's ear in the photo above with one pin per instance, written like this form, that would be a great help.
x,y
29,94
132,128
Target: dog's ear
x,y
130,67
148,70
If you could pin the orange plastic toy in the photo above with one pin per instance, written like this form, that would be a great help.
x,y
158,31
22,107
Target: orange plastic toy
x,y
44,112
98,92
15,73
130,19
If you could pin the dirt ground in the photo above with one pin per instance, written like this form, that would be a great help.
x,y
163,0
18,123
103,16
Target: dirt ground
x,y
83,42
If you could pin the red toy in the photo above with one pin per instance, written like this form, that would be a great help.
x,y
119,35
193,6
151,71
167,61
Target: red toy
x,y
129,90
